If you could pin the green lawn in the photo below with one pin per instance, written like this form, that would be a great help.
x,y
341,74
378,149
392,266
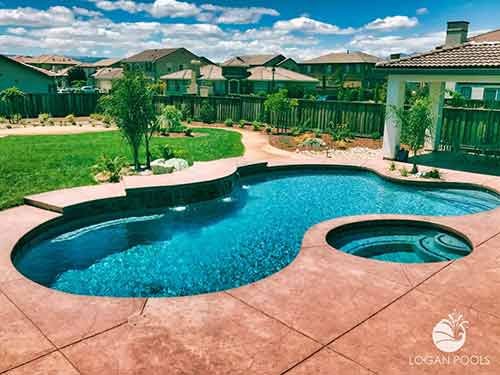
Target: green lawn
x,y
35,164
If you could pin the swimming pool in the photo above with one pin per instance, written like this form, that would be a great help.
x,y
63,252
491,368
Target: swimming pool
x,y
224,243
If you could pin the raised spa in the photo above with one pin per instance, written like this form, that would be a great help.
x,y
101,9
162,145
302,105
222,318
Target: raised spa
x,y
399,241
224,243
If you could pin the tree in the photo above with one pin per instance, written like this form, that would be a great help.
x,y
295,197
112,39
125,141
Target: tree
x,y
415,122
75,77
131,107
279,104
11,97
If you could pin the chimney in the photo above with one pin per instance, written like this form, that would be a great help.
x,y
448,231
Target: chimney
x,y
456,33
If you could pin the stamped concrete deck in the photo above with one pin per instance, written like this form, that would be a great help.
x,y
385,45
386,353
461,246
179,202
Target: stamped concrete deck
x,y
326,313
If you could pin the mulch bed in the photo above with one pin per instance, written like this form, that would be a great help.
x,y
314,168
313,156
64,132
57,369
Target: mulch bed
x,y
291,143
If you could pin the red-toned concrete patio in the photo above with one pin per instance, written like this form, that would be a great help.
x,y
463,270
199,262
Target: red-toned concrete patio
x,y
326,313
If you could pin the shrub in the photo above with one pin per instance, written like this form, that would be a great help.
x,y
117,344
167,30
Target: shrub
x,y
296,131
11,97
229,123
96,116
16,118
375,135
110,167
71,119
189,120
256,126
434,173
186,112
184,154
169,121
188,132
207,113
107,119
404,172
269,129
242,124
163,152
340,132
43,117
318,133
2,119
392,166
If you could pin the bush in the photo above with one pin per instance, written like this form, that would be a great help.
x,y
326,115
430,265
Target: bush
x,y
43,117
169,121
229,123
96,116
207,113
242,124
340,132
110,167
256,126
71,119
392,166
188,132
434,173
296,131
269,129
186,112
183,154
2,119
16,118
189,120
317,133
404,172
375,135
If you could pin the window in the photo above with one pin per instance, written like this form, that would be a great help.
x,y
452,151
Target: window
x,y
308,68
181,67
329,69
490,95
466,92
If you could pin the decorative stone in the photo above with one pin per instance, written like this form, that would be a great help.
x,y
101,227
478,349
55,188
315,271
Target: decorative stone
x,y
160,166
177,164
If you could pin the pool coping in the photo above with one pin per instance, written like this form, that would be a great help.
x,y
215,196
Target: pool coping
x,y
262,297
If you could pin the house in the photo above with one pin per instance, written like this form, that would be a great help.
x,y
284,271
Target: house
x,y
27,78
211,80
105,77
457,34
255,60
91,68
54,63
354,69
158,62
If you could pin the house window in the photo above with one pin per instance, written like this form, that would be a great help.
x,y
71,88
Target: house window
x,y
490,95
308,68
181,67
466,92
329,69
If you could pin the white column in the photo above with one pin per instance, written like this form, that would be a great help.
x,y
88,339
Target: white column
x,y
436,93
392,131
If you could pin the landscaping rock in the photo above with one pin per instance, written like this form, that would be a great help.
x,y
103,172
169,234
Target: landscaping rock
x,y
161,166
177,164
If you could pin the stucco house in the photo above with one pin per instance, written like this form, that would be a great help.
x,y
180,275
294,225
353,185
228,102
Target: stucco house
x,y
255,60
105,77
211,80
155,63
29,79
355,69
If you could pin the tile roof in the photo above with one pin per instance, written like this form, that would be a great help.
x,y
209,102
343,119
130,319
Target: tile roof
x,y
490,36
467,55
259,73
109,73
208,72
250,60
344,58
106,62
265,73
47,59
150,55
45,72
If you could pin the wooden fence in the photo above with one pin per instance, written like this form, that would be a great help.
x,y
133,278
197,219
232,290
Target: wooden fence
x,y
465,126
470,127
361,117
57,105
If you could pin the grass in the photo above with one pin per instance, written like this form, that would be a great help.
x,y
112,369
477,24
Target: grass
x,y
35,164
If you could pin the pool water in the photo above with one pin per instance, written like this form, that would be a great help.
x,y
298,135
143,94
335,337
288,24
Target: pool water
x,y
227,242
399,242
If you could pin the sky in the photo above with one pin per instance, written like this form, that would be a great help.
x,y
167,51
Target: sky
x,y
218,29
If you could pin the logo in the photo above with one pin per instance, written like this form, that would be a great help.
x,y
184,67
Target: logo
x,y
449,334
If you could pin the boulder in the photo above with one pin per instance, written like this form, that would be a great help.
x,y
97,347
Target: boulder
x,y
177,164
160,166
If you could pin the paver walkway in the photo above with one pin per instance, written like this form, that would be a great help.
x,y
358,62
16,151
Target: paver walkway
x,y
326,313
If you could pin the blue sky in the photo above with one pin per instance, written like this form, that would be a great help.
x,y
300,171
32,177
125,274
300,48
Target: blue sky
x,y
222,28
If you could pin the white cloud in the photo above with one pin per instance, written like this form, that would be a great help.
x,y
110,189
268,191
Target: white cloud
x,y
86,12
230,15
310,26
422,11
57,15
173,9
17,30
387,45
392,23
125,5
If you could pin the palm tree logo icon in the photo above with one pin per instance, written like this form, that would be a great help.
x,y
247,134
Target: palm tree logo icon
x,y
449,334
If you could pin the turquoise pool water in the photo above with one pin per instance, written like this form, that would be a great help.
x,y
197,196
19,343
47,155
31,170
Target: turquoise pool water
x,y
225,243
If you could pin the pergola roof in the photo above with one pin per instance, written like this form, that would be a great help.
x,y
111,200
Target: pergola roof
x,y
484,55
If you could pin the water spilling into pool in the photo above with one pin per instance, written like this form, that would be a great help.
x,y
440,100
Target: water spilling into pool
x,y
227,242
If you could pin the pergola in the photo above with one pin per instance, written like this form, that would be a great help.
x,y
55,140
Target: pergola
x,y
469,62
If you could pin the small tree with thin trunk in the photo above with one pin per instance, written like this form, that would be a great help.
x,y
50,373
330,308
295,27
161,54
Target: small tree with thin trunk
x,y
131,107
11,97
279,104
416,124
